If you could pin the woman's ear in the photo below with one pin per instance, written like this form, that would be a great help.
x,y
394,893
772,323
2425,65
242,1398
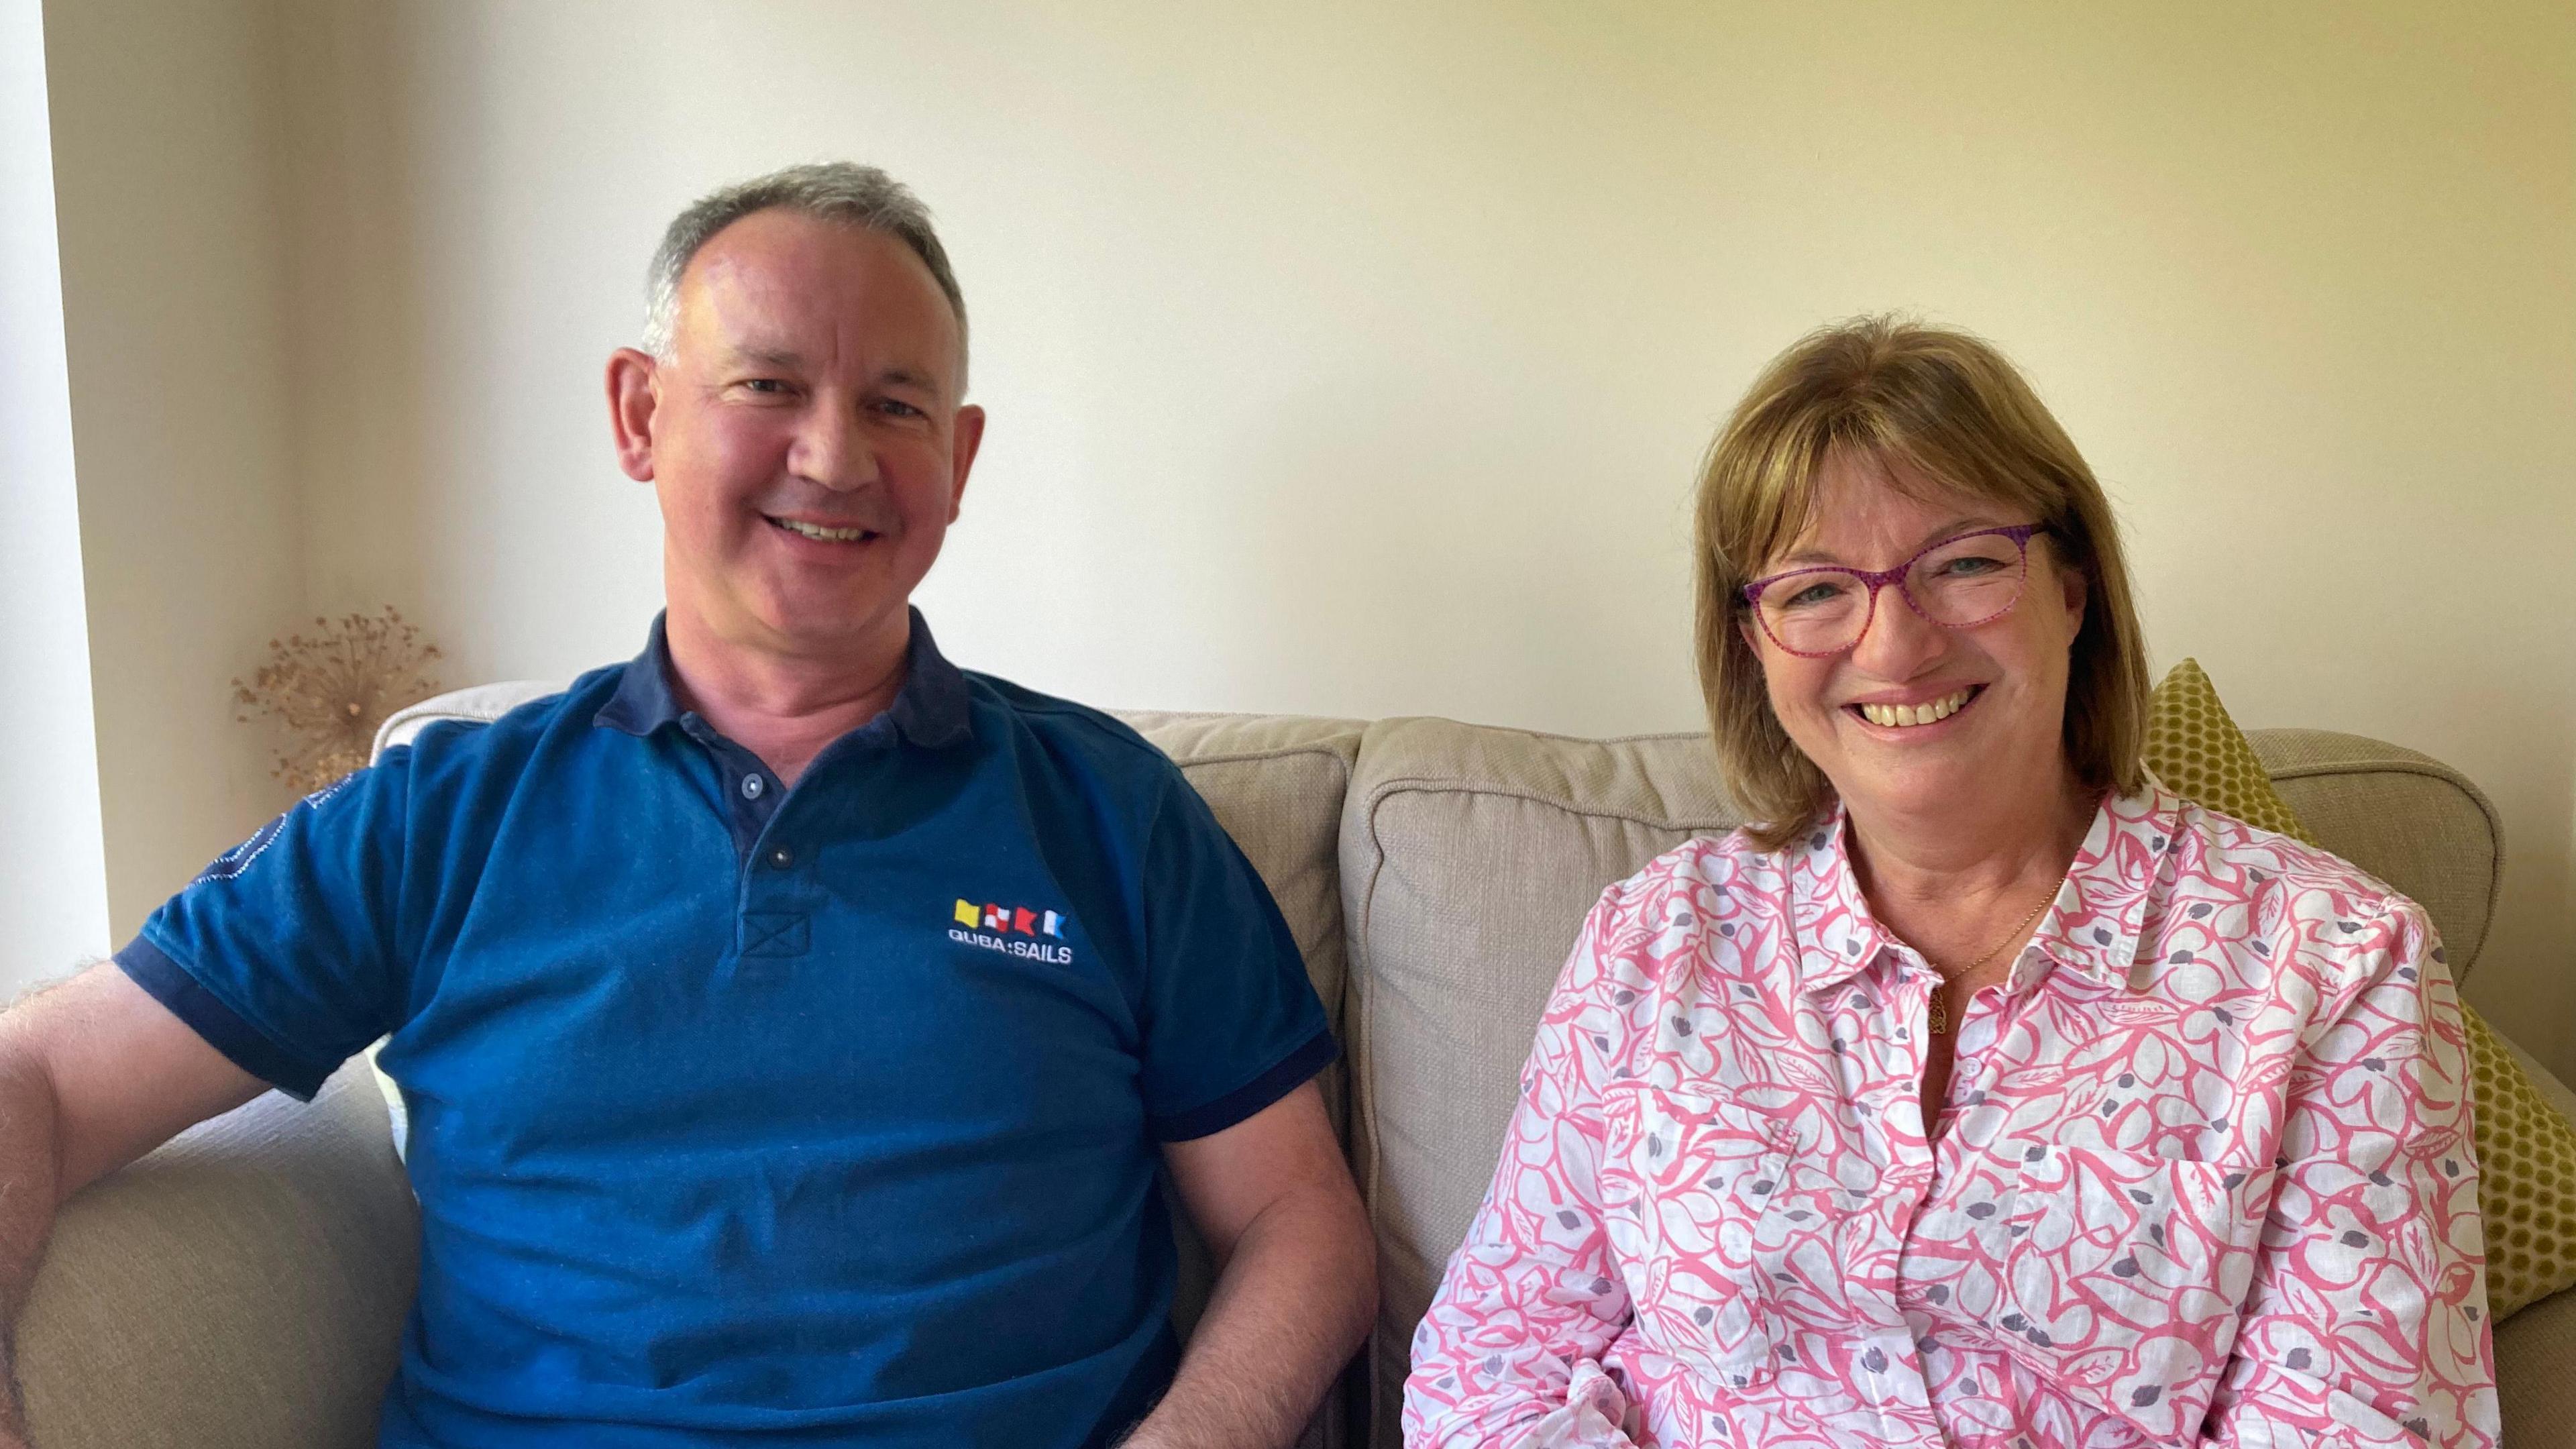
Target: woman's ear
x,y
2076,587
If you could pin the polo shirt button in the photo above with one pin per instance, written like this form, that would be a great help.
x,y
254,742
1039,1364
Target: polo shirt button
x,y
751,787
780,857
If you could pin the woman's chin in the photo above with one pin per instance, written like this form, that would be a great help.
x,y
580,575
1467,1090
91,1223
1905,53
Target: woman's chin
x,y
1928,782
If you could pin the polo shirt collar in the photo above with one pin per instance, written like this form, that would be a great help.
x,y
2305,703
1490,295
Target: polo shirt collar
x,y
932,709
2092,927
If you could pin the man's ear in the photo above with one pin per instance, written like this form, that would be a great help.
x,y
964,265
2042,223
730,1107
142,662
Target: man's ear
x,y
966,436
633,394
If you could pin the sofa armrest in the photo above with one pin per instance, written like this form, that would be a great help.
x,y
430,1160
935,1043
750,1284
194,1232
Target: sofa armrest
x,y
246,1285
2535,1359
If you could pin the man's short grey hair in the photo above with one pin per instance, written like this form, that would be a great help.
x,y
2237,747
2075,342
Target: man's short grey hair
x,y
841,191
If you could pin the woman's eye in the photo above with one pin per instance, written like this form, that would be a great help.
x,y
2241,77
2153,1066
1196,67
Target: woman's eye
x,y
1815,594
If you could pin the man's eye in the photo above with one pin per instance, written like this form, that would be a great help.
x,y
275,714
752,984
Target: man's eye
x,y
766,385
896,407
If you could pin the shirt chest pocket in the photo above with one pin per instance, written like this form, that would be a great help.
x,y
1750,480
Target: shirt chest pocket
x,y
2124,1275
1718,1226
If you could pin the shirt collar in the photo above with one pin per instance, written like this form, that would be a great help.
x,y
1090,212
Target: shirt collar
x,y
931,710
2092,927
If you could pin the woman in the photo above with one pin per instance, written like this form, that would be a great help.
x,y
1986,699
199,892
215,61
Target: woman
x,y
1986,1095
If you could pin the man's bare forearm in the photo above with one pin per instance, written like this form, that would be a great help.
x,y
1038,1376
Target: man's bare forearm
x,y
93,1074
30,1191
1290,1308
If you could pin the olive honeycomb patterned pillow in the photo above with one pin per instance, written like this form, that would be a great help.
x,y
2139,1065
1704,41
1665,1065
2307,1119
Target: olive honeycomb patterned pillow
x,y
2526,1150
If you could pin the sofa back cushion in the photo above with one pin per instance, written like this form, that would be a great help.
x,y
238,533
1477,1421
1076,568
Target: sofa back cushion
x,y
1471,855
1276,783
2405,817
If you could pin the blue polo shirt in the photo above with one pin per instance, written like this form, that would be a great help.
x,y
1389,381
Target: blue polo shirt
x,y
753,1115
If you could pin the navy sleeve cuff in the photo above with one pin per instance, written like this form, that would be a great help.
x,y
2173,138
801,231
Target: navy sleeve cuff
x,y
169,983
1292,1072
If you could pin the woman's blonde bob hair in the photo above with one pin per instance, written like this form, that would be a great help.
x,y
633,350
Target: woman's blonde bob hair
x,y
1926,403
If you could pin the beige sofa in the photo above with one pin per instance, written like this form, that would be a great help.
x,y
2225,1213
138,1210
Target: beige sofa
x,y
245,1285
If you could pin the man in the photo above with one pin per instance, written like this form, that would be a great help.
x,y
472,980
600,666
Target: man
x,y
794,1028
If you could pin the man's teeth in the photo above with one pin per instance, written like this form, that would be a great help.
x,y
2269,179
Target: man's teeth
x,y
819,532
1902,715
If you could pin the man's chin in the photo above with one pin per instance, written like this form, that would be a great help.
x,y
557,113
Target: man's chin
x,y
812,623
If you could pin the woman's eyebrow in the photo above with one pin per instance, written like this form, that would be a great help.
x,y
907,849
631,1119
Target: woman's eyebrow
x,y
1965,524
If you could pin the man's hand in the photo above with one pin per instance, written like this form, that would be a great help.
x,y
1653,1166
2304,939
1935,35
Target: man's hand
x,y
1296,1279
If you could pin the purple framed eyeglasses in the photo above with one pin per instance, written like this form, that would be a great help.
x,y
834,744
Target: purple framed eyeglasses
x,y
1960,582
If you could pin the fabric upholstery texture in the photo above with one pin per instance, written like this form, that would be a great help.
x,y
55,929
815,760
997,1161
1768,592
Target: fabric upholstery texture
x,y
2405,817
1276,785
2535,1361
242,1288
2194,746
2526,1149
245,1286
1470,857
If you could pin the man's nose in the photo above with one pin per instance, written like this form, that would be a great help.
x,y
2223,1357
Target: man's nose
x,y
831,449
1898,641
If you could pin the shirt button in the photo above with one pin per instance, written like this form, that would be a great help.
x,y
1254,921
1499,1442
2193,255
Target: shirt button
x,y
751,787
780,857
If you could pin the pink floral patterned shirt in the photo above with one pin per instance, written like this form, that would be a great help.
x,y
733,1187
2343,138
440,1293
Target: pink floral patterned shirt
x,y
2206,1177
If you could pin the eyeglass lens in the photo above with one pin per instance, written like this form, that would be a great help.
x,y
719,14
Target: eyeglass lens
x,y
1963,582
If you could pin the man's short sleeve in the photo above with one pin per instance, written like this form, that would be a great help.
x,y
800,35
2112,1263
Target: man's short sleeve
x,y
281,954
1233,1023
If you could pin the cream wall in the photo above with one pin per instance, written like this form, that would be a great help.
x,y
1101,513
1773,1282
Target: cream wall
x,y
53,863
1353,359
166,172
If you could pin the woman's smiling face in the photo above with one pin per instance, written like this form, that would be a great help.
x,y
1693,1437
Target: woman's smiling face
x,y
1994,694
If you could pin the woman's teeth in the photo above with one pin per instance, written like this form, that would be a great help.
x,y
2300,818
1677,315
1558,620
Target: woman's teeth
x,y
819,533
1900,716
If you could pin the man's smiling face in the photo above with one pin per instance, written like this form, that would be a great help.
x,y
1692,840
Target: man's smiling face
x,y
805,437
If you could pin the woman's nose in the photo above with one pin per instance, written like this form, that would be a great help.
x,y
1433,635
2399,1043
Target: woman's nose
x,y
1897,640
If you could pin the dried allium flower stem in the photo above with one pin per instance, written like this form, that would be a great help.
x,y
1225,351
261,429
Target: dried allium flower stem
x,y
331,691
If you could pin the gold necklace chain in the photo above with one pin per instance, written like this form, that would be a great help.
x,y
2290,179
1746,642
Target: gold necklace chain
x,y
1940,1013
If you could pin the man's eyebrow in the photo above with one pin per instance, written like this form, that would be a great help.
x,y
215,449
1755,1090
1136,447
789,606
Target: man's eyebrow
x,y
769,356
1964,524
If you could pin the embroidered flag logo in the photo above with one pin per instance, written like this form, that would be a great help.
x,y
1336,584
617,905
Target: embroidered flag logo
x,y
1019,930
